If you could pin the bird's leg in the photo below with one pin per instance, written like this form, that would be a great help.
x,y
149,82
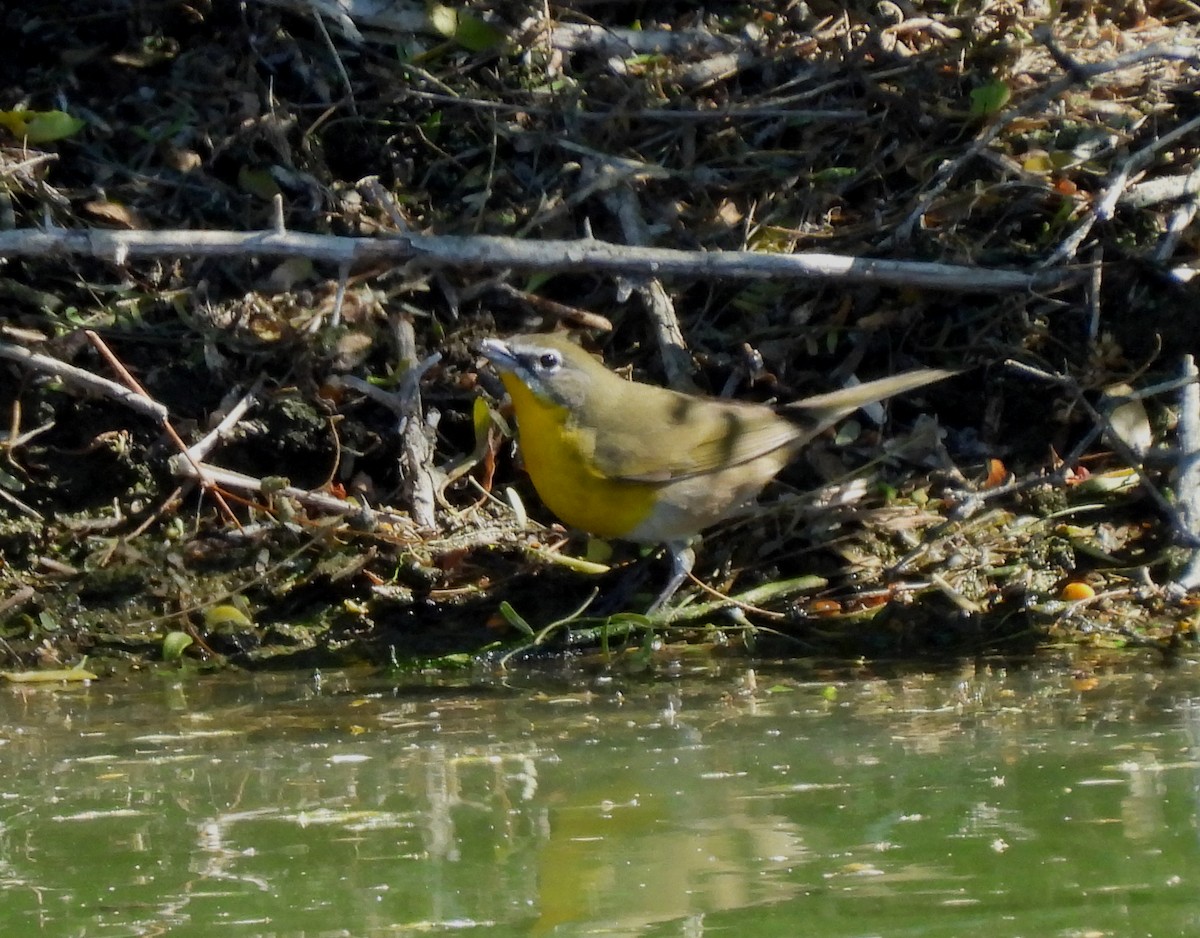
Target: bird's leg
x,y
683,558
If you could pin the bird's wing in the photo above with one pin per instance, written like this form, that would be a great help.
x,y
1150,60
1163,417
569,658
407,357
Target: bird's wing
x,y
671,436
667,435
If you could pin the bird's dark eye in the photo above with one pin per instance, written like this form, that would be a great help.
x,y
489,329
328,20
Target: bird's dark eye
x,y
549,361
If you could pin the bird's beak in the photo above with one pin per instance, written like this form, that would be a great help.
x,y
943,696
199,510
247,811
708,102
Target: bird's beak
x,y
499,354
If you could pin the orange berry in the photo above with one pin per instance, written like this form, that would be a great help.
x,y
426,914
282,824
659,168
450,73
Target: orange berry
x,y
1076,591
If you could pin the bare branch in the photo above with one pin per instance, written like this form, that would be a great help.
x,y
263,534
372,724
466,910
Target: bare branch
x,y
416,436
80,378
227,478
199,450
1187,482
1162,189
483,251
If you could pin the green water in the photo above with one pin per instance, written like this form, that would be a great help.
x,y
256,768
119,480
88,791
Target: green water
x,y
787,801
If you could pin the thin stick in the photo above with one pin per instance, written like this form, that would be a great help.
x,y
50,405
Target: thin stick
x,y
165,421
571,315
228,478
94,384
204,446
731,114
337,61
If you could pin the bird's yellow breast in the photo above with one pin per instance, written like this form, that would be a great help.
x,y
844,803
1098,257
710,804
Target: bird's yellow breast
x,y
558,456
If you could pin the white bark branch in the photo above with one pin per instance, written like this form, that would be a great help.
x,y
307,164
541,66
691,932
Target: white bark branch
x,y
484,251
1187,481
78,377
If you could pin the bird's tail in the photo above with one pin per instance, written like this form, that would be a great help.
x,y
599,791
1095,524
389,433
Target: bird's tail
x,y
824,410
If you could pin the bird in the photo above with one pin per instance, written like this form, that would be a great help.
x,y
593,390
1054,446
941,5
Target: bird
x,y
638,462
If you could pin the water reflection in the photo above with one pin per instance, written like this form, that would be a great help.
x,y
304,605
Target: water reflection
x,y
1011,801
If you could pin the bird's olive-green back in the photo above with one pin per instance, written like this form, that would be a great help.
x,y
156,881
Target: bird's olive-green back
x,y
641,432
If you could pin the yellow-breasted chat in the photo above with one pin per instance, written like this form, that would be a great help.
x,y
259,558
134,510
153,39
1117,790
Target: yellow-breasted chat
x,y
623,459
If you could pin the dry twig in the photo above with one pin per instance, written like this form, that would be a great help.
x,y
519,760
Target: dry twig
x,y
486,251
415,435
85,380
1187,481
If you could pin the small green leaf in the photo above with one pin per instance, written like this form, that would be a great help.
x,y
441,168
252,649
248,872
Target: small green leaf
x,y
52,125
848,432
40,126
629,620
834,173
476,35
11,482
174,644
514,619
537,281
226,615
258,182
598,551
77,674
988,99
432,125
470,32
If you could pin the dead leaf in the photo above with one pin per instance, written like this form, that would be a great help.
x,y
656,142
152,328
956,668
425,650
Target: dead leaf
x,y
116,214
